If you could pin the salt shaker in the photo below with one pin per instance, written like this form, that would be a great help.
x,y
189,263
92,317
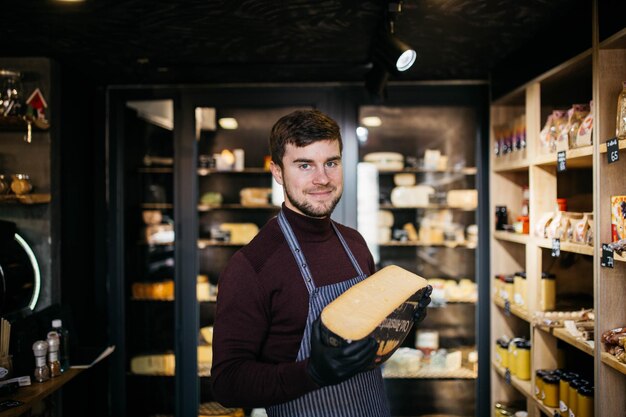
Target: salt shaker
x,y
53,354
42,372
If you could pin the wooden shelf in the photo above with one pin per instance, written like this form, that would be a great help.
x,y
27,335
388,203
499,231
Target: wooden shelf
x,y
619,258
157,206
428,207
205,207
576,158
20,123
37,391
616,41
621,144
549,411
501,166
564,335
611,361
514,309
567,247
211,171
522,386
26,198
511,237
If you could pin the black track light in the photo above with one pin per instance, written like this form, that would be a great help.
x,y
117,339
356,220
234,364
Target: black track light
x,y
394,54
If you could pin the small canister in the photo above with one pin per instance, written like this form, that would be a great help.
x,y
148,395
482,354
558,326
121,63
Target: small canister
x,y
548,291
519,288
584,401
522,366
551,390
572,398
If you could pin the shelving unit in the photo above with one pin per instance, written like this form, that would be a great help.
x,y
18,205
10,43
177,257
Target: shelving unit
x,y
587,184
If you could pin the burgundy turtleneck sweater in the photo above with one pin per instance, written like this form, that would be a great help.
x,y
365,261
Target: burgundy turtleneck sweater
x,y
263,305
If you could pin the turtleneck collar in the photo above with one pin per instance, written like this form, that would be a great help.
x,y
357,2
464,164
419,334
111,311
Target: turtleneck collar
x,y
308,228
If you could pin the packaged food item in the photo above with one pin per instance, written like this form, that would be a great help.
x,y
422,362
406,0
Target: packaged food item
x,y
577,114
620,124
414,196
557,226
385,218
559,130
411,232
584,135
431,158
551,390
548,291
618,217
542,224
545,139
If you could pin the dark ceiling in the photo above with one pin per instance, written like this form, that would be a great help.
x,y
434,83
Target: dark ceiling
x,y
164,41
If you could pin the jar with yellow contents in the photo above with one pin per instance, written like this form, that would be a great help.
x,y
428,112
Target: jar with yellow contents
x,y
584,402
551,390
522,359
566,378
574,385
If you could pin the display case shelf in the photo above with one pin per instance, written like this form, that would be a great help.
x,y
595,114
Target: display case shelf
x,y
204,207
621,145
26,198
503,166
155,170
203,172
428,207
462,171
205,243
426,244
429,373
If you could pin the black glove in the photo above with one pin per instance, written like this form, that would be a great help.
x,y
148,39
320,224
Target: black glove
x,y
421,310
330,365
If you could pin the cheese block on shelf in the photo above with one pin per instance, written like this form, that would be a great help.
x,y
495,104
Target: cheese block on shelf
x,y
165,363
381,306
240,233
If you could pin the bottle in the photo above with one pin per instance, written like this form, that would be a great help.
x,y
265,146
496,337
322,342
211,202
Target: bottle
x,y
53,355
620,125
64,343
42,372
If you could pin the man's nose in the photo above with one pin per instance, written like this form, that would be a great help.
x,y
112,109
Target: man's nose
x,y
321,176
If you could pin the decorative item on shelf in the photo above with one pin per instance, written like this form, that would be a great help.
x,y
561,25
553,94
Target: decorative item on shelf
x,y
618,217
502,217
36,109
620,124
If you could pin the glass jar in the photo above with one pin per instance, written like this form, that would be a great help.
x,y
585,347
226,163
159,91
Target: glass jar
x,y
574,385
502,353
584,401
519,288
508,288
551,389
539,374
564,392
21,184
11,93
522,365
548,291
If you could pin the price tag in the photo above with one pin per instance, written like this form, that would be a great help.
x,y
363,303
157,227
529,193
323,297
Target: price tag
x,y
612,150
556,248
607,256
507,376
560,162
507,307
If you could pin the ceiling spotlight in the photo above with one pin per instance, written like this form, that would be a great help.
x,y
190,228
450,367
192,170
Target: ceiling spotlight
x,y
371,121
396,55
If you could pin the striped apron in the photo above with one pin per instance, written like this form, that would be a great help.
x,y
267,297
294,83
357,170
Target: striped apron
x,y
363,395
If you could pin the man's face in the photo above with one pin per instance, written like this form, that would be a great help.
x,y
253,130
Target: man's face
x,y
312,177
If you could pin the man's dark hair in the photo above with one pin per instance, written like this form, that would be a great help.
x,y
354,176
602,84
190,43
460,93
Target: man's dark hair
x,y
301,128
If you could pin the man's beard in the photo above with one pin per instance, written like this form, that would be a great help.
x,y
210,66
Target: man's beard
x,y
311,211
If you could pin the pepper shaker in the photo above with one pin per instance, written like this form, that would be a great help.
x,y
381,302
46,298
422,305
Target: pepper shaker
x,y
42,372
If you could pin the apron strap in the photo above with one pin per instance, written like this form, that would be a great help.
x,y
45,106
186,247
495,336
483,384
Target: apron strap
x,y
296,251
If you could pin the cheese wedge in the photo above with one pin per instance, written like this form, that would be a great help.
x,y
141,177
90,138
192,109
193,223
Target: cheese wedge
x,y
381,306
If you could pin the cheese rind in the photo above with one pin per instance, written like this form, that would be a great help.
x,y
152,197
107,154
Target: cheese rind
x,y
381,306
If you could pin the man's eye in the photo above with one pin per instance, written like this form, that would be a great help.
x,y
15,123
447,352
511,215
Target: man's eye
x,y
304,166
332,164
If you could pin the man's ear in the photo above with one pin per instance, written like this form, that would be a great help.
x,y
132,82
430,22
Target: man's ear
x,y
277,172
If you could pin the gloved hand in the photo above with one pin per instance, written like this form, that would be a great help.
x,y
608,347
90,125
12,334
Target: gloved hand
x,y
330,365
421,311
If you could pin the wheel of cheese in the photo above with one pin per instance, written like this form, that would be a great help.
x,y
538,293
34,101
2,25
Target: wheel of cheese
x,y
386,161
381,306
